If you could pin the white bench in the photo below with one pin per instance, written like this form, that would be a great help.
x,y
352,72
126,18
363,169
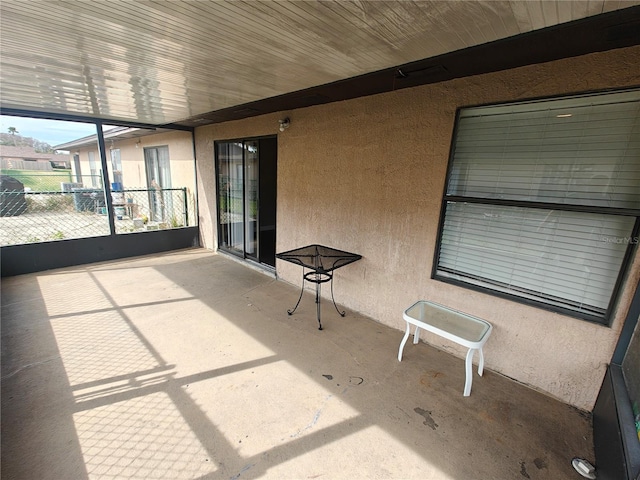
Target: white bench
x,y
464,329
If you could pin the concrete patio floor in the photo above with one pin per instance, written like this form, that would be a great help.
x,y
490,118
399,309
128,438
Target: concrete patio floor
x,y
186,365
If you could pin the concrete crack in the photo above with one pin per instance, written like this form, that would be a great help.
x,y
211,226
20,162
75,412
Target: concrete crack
x,y
313,422
244,469
29,365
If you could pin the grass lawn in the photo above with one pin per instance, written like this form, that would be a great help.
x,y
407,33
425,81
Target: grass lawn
x,y
40,181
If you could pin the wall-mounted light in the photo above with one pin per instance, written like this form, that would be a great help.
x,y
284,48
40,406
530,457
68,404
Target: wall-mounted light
x,y
284,124
138,144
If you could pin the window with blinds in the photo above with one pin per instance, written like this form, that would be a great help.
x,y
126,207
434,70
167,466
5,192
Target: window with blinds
x,y
543,200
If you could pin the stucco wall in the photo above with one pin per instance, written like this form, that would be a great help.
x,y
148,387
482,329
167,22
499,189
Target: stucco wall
x,y
367,175
132,156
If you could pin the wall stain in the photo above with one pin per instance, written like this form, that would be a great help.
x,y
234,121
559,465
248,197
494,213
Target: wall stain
x,y
328,377
428,420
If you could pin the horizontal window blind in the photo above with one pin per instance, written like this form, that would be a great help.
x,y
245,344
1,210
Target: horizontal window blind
x,y
587,154
552,255
581,157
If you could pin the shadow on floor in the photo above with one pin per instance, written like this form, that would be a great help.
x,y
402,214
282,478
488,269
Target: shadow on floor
x,y
186,365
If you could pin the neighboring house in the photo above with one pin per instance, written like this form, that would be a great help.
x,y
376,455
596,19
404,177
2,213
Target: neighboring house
x,y
136,159
26,158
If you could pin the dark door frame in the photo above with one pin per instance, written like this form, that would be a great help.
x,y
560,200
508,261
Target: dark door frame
x,y
259,256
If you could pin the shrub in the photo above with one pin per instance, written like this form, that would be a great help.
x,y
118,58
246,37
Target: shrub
x,y
49,203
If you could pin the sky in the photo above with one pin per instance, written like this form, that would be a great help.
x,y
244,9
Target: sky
x,y
53,132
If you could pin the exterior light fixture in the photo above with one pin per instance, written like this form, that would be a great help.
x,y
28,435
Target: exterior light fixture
x,y
564,115
284,124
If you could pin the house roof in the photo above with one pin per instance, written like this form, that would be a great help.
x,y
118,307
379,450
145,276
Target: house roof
x,y
193,62
111,135
10,151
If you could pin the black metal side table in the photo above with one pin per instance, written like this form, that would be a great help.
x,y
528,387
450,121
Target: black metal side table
x,y
321,261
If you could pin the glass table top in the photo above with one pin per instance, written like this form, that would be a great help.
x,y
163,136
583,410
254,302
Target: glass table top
x,y
457,323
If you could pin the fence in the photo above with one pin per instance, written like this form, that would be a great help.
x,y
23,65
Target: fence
x,y
40,216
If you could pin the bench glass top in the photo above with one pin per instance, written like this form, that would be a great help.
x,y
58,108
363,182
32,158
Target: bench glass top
x,y
459,324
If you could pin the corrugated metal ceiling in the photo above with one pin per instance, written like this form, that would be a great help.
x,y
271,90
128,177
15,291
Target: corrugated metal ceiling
x,y
159,62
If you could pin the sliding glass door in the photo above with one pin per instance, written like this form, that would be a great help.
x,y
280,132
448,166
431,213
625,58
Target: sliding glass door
x,y
251,198
230,197
246,198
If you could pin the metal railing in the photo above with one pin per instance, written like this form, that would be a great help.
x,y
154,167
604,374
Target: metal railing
x,y
32,216
156,209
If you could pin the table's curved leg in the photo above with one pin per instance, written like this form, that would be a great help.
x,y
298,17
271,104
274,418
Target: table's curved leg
x,y
290,312
342,314
469,372
480,362
404,340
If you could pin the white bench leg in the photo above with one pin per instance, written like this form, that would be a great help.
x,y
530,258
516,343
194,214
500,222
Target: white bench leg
x,y
468,372
480,362
404,340
416,335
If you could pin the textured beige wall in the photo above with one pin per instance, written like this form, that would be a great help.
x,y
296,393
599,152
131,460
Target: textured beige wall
x,y
367,175
132,156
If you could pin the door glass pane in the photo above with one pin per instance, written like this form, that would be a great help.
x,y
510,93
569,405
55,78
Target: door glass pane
x,y
251,197
164,179
267,186
96,170
158,182
230,188
153,184
116,166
